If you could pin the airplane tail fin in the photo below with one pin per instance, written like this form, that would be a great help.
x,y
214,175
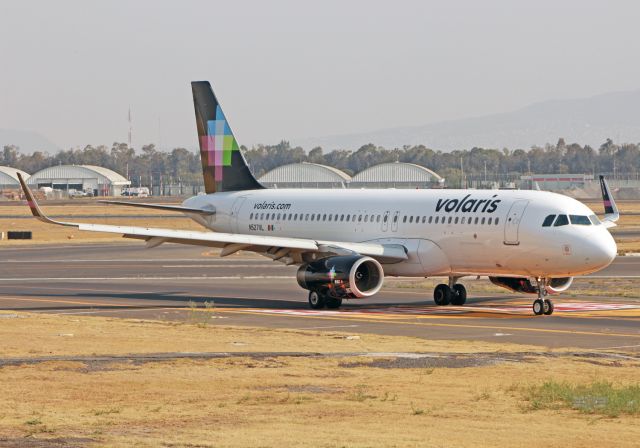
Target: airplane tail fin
x,y
223,166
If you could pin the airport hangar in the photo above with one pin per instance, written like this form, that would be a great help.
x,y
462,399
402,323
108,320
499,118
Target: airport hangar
x,y
384,175
101,181
9,178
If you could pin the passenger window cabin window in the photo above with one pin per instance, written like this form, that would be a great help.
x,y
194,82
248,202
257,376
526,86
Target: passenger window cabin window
x,y
348,218
476,220
378,218
290,216
295,217
366,218
335,217
462,221
341,217
329,217
395,218
456,220
359,218
404,219
496,221
410,219
437,219
548,221
306,217
489,221
562,220
430,219
251,216
450,218
324,217
580,220
482,222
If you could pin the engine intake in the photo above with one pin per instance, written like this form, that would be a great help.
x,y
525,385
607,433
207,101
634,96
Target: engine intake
x,y
521,284
349,276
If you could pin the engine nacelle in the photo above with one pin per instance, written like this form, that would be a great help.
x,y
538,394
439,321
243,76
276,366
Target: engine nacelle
x,y
521,284
346,276
557,285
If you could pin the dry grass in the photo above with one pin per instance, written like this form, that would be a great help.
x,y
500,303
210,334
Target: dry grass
x,y
244,401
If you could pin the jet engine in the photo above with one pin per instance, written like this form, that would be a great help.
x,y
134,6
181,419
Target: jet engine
x,y
349,276
521,284
557,285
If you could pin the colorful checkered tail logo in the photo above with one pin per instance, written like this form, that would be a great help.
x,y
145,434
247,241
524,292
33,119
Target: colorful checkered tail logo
x,y
223,166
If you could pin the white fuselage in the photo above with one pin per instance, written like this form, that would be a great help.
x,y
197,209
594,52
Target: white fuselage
x,y
446,232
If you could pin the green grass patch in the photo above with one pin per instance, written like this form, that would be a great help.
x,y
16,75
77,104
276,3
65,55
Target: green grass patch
x,y
599,397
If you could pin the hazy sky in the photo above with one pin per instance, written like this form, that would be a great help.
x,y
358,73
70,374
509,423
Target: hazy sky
x,y
285,69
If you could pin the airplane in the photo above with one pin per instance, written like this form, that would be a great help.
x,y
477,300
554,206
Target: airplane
x,y
345,241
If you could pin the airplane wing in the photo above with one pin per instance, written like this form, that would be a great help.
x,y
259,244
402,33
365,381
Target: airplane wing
x,y
170,208
611,213
287,250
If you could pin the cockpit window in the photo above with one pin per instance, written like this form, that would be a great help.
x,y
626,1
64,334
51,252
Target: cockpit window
x,y
561,221
580,220
594,220
548,220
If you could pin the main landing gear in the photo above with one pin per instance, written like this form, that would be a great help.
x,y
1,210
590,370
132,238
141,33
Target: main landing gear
x,y
453,293
542,305
319,299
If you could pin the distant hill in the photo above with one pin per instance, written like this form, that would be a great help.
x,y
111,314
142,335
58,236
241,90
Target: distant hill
x,y
28,141
587,121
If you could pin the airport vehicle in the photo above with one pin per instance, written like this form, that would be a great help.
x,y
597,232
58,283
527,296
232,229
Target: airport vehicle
x,y
346,240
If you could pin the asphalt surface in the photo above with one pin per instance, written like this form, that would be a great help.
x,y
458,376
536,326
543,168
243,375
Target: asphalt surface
x,y
175,282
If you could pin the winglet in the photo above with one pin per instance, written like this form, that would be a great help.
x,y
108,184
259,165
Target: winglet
x,y
35,209
611,213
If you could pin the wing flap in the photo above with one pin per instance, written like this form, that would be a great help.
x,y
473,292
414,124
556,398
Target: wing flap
x,y
170,208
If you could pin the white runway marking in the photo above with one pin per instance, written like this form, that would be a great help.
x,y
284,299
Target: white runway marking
x,y
265,265
204,277
129,260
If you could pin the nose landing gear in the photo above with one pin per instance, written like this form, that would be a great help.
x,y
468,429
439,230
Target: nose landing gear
x,y
542,305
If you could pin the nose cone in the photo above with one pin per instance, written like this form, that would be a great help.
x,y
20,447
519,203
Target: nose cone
x,y
602,250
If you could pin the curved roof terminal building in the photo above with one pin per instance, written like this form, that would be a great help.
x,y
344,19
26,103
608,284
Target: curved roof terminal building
x,y
9,177
396,175
100,181
305,175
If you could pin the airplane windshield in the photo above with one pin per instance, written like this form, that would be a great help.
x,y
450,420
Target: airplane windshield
x,y
580,220
548,220
594,220
561,221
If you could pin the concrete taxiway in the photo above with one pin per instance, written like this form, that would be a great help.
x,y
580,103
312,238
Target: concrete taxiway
x,y
171,282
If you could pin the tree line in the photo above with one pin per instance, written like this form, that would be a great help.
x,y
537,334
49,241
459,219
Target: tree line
x,y
149,165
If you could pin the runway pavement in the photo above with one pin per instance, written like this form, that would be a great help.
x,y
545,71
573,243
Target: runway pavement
x,y
173,282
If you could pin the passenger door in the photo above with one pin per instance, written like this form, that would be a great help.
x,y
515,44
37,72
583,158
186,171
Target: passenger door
x,y
394,221
512,223
385,221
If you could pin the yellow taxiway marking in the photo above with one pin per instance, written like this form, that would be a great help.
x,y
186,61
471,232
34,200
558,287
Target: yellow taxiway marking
x,y
432,324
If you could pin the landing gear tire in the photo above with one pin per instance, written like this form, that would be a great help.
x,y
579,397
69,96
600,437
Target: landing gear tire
x,y
333,303
317,301
538,307
548,307
459,296
442,295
